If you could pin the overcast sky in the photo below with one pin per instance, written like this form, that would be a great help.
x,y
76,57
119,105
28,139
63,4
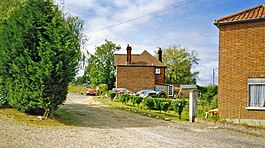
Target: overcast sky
x,y
148,24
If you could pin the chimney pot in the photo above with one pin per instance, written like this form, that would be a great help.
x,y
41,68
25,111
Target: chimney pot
x,y
160,54
129,54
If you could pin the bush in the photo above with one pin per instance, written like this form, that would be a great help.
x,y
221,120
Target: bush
x,y
138,100
164,106
101,89
158,102
178,106
214,103
214,117
124,98
149,102
111,94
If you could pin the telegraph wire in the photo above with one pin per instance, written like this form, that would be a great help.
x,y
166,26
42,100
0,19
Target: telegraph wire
x,y
172,6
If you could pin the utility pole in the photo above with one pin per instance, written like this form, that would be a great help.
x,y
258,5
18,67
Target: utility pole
x,y
213,75
214,71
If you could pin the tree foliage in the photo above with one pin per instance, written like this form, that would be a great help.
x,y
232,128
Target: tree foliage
x,y
179,62
208,93
40,51
7,7
80,80
100,69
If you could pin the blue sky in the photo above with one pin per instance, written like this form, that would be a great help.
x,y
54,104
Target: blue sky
x,y
190,26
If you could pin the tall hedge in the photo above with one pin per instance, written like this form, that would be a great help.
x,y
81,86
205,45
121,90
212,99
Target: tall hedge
x,y
40,51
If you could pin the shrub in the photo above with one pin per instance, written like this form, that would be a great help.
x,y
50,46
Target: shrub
x,y
138,100
133,99
164,106
158,102
214,117
203,104
214,103
101,89
111,94
178,106
149,102
124,98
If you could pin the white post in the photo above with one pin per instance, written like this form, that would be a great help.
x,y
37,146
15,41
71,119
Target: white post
x,y
192,106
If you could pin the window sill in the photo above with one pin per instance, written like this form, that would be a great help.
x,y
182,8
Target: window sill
x,y
255,108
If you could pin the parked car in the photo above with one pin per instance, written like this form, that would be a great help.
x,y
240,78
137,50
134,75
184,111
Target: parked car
x,y
120,91
151,93
90,91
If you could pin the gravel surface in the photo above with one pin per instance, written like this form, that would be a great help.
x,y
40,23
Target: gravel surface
x,y
106,127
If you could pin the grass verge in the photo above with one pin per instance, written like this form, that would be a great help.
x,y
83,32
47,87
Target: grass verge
x,y
144,111
65,117
24,118
61,118
76,89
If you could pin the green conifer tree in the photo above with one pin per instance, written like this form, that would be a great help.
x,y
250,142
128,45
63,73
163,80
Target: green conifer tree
x,y
40,52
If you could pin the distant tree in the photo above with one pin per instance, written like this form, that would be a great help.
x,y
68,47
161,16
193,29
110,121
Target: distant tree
x,y
208,93
80,80
100,69
40,52
214,102
179,62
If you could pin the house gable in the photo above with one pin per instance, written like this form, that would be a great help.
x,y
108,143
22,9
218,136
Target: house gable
x,y
143,72
241,57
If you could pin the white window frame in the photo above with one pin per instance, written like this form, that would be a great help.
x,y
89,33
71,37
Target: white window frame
x,y
172,87
255,82
157,71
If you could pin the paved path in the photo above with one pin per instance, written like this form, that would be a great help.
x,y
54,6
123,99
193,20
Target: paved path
x,y
101,126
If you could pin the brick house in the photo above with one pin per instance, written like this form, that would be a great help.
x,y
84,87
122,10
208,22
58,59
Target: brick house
x,y
140,71
242,66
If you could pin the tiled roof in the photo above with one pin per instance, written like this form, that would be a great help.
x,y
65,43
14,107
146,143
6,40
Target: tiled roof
x,y
248,14
143,59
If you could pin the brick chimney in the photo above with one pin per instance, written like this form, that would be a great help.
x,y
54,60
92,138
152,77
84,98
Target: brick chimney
x,y
160,54
129,55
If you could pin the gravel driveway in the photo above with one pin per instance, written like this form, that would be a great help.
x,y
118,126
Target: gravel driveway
x,y
102,126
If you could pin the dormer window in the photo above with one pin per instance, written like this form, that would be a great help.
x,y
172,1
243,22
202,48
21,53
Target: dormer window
x,y
158,71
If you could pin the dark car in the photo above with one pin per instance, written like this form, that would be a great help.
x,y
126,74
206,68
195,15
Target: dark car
x,y
90,91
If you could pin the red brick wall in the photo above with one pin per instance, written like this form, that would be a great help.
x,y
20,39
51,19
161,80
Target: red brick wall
x,y
159,78
241,55
135,78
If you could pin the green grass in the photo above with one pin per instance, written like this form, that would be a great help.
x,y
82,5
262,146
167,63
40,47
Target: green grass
x,y
24,118
65,117
143,109
61,118
76,89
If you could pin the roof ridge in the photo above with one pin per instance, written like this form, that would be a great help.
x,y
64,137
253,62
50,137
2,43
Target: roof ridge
x,y
240,12
125,54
